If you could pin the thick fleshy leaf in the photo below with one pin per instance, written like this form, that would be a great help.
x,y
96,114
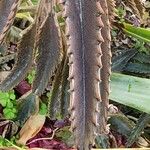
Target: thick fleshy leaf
x,y
119,62
106,66
64,95
54,103
49,53
84,39
142,58
24,60
28,105
143,121
137,32
140,68
8,9
131,91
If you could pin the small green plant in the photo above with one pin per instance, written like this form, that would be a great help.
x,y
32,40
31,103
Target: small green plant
x,y
43,109
12,142
31,76
8,102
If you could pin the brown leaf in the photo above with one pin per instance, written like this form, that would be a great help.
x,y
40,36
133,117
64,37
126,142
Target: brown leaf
x,y
32,126
24,60
8,11
84,40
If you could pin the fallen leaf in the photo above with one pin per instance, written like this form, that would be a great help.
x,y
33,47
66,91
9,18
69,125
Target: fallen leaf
x,y
32,126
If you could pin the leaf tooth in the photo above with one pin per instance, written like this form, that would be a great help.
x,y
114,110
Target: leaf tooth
x,y
99,37
71,90
70,63
99,63
98,78
70,51
71,108
73,127
97,96
71,76
65,15
99,23
99,8
62,2
97,110
107,129
95,119
72,114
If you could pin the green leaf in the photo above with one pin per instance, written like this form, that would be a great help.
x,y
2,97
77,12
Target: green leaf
x,y
131,91
8,114
9,104
43,109
3,102
4,95
12,96
25,15
3,98
35,2
31,76
137,32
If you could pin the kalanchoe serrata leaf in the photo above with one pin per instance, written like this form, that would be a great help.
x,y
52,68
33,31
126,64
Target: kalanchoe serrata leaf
x,y
143,121
28,104
142,58
49,45
8,9
64,95
140,7
24,60
119,62
137,7
54,103
111,9
83,19
136,67
106,69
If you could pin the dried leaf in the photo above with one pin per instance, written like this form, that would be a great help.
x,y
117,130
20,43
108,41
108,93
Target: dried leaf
x,y
33,125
